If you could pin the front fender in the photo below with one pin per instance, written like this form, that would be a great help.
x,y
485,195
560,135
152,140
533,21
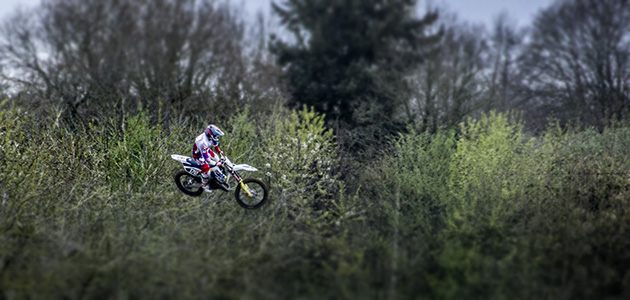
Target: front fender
x,y
244,167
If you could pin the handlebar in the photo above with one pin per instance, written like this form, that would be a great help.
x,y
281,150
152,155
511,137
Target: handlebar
x,y
226,162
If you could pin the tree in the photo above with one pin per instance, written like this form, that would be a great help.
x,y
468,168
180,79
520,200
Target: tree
x,y
577,63
88,53
349,57
449,85
503,81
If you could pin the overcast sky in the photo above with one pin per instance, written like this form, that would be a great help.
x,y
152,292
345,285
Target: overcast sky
x,y
477,11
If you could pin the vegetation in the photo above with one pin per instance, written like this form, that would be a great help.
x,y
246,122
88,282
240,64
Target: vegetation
x,y
487,212
468,171
351,56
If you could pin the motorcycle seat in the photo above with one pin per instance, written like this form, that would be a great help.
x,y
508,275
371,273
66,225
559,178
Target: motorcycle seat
x,y
193,162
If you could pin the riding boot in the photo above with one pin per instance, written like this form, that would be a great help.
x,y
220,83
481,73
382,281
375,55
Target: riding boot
x,y
205,180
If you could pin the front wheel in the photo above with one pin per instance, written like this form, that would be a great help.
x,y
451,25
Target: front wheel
x,y
188,184
258,192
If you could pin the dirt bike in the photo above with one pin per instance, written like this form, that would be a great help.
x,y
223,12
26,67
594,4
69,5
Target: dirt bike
x,y
249,192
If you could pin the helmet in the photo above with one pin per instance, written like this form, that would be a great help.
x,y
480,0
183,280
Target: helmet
x,y
213,132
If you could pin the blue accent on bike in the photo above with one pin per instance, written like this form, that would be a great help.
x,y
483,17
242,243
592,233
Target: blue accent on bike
x,y
193,162
219,176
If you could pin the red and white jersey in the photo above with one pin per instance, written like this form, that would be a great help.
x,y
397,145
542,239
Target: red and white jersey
x,y
202,149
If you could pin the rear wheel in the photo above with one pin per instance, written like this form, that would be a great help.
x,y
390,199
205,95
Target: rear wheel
x,y
188,184
258,193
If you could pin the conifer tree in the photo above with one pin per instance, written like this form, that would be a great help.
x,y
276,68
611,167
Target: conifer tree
x,y
349,58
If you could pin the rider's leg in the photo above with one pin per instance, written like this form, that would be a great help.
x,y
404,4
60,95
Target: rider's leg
x,y
215,170
205,177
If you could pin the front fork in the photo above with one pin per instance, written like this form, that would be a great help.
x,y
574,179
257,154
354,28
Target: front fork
x,y
246,189
243,186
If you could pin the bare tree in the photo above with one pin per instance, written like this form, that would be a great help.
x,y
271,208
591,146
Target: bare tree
x,y
503,78
577,63
449,85
185,47
84,53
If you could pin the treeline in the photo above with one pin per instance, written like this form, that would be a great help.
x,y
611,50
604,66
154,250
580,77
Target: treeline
x,y
397,164
366,64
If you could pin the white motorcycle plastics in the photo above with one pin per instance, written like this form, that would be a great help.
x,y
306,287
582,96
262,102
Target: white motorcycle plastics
x,y
184,160
180,158
244,167
246,190
188,167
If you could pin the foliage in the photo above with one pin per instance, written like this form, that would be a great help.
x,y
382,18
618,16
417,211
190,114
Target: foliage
x,y
491,212
492,166
301,155
99,210
138,153
486,212
348,54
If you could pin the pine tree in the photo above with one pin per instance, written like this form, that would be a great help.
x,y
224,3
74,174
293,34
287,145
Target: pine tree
x,y
349,58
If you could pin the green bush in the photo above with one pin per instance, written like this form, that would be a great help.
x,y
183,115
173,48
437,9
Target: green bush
x,y
138,153
18,164
411,190
494,169
578,233
243,139
91,211
301,154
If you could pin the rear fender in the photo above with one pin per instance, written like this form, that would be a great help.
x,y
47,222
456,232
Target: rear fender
x,y
190,169
179,158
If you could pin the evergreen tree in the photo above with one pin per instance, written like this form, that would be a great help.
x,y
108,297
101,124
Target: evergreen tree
x,y
349,58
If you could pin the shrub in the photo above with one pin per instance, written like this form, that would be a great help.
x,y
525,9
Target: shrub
x,y
137,154
494,169
301,155
493,189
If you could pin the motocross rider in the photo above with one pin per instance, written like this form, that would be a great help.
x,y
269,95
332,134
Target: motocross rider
x,y
210,162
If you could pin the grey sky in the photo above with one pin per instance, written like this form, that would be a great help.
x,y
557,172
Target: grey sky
x,y
484,11
477,11
7,6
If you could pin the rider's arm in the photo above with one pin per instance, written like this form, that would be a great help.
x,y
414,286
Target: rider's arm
x,y
215,143
210,156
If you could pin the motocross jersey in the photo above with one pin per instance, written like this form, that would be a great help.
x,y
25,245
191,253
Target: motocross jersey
x,y
202,150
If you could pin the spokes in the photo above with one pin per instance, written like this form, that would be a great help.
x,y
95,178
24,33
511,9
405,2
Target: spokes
x,y
251,193
190,183
256,194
